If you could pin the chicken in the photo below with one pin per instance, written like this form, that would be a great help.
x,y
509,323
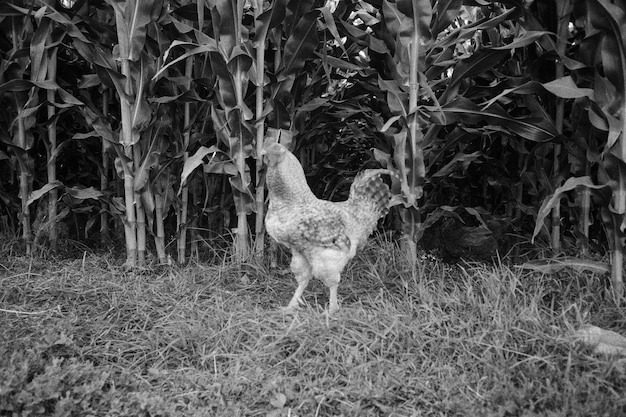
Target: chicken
x,y
322,235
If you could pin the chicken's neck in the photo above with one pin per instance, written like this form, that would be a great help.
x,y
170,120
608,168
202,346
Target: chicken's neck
x,y
288,186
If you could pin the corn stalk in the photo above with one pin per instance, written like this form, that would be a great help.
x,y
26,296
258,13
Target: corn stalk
x,y
564,9
615,29
607,113
231,115
19,32
407,149
421,21
184,207
52,151
259,45
25,179
132,18
104,180
184,191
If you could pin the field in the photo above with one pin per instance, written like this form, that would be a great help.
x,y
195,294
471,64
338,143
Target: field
x,y
82,337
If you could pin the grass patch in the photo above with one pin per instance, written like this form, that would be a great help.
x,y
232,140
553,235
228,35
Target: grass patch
x,y
84,337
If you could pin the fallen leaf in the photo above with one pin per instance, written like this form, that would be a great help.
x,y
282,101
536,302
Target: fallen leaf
x,y
550,266
602,341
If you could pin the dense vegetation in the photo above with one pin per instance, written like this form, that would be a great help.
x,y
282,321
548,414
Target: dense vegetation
x,y
490,112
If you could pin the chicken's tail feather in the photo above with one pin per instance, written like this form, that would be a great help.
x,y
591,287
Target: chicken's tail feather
x,y
370,191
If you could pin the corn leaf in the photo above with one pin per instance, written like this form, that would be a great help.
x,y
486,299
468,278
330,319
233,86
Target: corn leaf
x,y
566,88
300,44
553,265
269,19
476,64
38,53
460,159
397,99
536,129
141,111
132,17
230,25
37,194
446,11
84,193
396,21
554,199
225,81
526,39
466,32
424,12
194,162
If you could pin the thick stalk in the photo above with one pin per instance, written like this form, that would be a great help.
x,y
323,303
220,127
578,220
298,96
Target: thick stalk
x,y
181,223
52,162
241,237
617,273
519,198
193,226
140,213
104,182
563,14
159,239
617,263
556,210
24,183
241,245
259,242
21,143
273,246
130,225
182,218
585,213
409,241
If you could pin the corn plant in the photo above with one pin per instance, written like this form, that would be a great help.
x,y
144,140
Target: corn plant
x,y
235,62
600,116
50,29
18,85
32,77
454,122
230,115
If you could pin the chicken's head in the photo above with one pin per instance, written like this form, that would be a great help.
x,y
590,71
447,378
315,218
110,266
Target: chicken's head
x,y
274,153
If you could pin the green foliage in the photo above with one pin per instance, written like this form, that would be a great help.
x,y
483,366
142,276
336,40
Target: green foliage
x,y
461,99
59,386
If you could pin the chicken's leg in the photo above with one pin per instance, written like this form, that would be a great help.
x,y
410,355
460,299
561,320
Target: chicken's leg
x,y
302,271
333,284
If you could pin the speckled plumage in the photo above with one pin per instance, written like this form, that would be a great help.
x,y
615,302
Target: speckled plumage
x,y
322,235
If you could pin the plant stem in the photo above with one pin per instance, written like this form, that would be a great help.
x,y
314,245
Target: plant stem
x,y
130,225
409,242
140,213
260,188
52,165
564,10
159,239
24,183
104,181
242,238
182,217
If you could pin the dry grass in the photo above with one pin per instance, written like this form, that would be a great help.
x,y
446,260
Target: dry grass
x,y
81,337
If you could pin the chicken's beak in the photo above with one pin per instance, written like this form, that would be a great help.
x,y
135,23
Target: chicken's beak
x,y
263,155
267,152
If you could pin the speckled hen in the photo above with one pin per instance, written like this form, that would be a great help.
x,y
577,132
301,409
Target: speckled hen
x,y
322,235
